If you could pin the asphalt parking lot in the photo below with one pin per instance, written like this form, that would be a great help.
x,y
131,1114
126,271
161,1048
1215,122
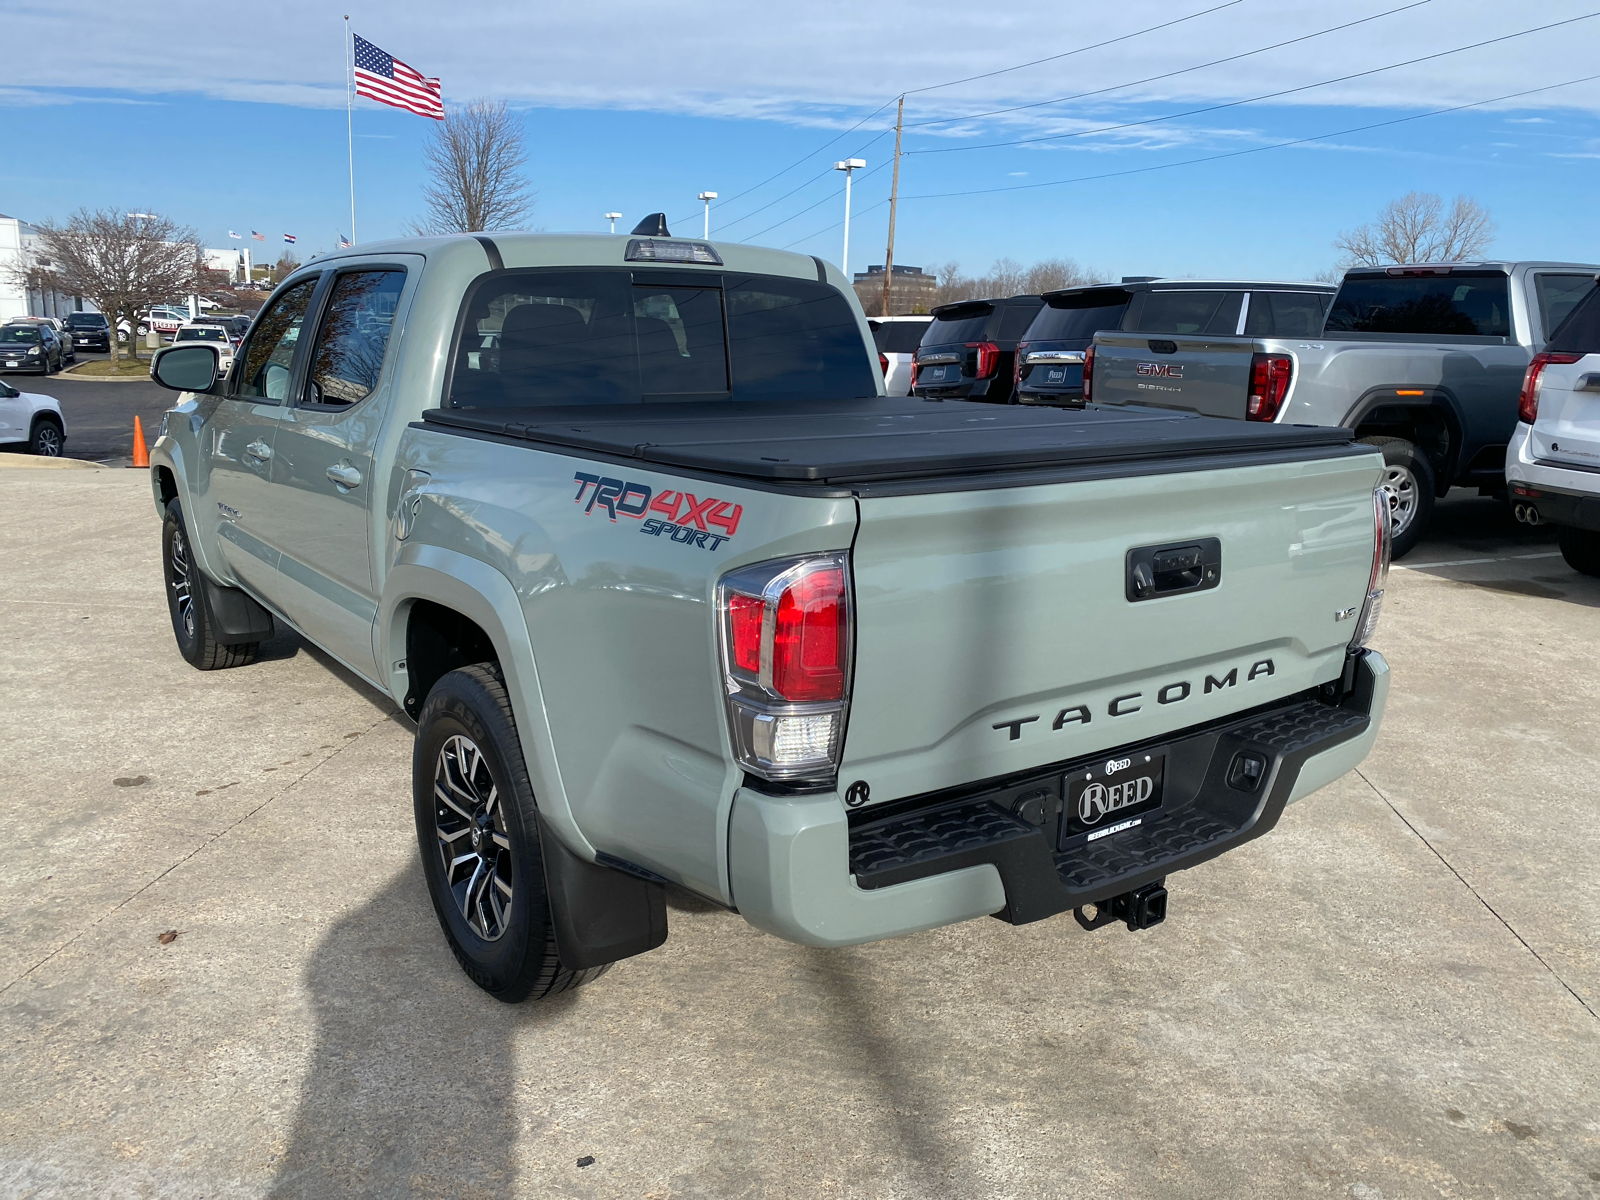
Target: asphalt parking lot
x,y
99,413
1394,994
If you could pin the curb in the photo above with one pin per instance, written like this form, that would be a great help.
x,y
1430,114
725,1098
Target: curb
x,y
37,462
71,373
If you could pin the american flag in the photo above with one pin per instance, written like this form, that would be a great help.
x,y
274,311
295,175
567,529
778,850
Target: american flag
x,y
290,238
257,237
344,242
386,79
233,235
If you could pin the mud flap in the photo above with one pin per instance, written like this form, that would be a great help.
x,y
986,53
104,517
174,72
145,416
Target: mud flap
x,y
599,914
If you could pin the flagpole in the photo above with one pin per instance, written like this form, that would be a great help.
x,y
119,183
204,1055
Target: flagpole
x,y
349,127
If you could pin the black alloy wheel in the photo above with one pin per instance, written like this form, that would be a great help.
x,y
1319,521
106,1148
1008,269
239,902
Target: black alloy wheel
x,y
478,832
193,624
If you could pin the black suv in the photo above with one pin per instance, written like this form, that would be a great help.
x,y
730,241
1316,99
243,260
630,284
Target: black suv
x,y
968,350
1049,358
88,331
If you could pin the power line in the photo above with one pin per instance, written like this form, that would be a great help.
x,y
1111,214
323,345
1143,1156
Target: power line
x,y
1305,37
933,87
952,83
1051,137
818,204
1189,162
826,171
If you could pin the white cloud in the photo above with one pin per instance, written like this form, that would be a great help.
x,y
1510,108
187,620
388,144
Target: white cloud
x,y
821,64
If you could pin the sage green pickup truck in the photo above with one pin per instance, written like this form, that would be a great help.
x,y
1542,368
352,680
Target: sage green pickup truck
x,y
676,595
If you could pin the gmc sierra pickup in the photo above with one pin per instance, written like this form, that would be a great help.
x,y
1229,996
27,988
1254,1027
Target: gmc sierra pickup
x,y
675,594
1424,362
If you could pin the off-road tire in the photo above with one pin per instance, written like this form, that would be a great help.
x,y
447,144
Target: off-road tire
x,y
1581,548
1408,478
193,625
520,962
46,439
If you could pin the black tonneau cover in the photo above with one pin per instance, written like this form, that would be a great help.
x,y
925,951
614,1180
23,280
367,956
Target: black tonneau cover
x,y
848,441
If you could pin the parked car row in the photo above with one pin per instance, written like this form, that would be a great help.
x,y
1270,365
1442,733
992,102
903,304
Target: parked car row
x,y
36,345
1424,361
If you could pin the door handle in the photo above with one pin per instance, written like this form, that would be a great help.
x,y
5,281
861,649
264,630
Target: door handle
x,y
345,475
259,449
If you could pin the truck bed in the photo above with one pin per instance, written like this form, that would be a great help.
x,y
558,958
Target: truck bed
x,y
850,442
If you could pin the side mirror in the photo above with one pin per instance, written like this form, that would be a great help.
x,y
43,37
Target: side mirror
x,y
187,368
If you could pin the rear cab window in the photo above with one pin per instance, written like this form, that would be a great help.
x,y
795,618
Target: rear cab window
x,y
1457,303
551,337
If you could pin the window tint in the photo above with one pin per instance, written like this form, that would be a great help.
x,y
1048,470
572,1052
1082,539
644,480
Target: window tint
x,y
899,337
83,320
354,336
1580,332
1079,322
597,337
1284,314
1015,320
681,346
1206,313
200,335
19,334
793,338
963,325
1558,294
1462,302
270,352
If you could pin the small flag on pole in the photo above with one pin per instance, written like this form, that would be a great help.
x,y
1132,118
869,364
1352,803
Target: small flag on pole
x,y
384,78
344,242
233,235
257,237
290,238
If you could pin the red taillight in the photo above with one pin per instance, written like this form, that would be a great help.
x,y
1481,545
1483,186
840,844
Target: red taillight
x,y
744,621
1269,384
1528,401
808,651
1088,372
883,363
914,366
1016,362
988,358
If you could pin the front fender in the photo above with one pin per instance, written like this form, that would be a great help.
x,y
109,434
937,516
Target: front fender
x,y
483,595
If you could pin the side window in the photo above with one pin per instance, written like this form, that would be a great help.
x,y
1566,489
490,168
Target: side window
x,y
267,357
1205,313
354,336
681,344
1558,295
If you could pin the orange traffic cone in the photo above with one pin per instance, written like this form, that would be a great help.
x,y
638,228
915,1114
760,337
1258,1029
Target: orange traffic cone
x,y
141,453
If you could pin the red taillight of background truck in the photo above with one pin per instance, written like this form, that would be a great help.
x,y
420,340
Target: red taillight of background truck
x,y
988,359
1088,372
1269,384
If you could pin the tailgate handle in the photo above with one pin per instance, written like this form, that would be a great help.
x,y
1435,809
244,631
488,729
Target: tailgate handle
x,y
1173,568
1162,346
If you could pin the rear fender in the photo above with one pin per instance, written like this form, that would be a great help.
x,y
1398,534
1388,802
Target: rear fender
x,y
1435,404
483,595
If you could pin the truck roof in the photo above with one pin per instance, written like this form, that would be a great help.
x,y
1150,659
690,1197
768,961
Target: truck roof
x,y
1182,285
1497,265
594,250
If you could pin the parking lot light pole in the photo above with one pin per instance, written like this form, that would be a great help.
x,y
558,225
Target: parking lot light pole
x,y
613,218
848,166
707,198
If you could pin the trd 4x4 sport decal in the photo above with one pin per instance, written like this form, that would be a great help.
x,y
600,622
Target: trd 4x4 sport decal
x,y
684,517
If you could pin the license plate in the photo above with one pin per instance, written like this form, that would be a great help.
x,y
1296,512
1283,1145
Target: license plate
x,y
1056,375
83,341
936,374
12,363
1112,795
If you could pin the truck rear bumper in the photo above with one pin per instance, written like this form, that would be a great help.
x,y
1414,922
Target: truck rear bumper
x,y
801,868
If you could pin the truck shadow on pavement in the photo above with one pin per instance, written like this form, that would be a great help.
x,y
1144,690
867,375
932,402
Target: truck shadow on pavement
x,y
410,1086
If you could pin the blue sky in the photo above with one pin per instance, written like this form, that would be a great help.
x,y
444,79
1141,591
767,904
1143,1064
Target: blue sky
x,y
623,114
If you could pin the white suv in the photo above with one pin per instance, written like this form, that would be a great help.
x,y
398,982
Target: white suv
x,y
33,419
1553,462
897,339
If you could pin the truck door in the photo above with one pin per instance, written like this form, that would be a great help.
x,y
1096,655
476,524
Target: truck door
x,y
321,514
241,432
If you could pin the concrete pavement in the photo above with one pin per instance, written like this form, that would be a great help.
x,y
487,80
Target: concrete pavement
x,y
1393,994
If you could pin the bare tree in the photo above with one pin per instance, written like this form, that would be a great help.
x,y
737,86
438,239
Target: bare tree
x,y
475,156
1007,277
122,263
286,266
1417,229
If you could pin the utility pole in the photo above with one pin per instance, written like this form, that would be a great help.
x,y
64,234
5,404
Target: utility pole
x,y
706,198
613,218
894,197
